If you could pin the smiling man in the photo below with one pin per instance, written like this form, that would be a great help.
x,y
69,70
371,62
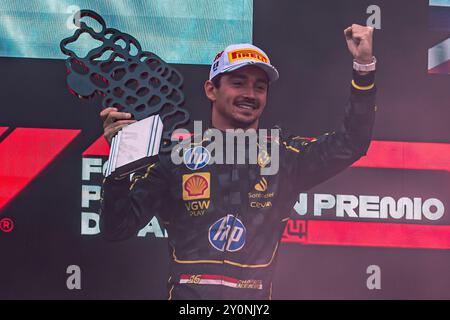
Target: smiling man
x,y
237,87
225,221
241,100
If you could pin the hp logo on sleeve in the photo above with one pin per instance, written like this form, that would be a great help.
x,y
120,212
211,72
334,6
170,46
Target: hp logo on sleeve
x,y
227,234
196,158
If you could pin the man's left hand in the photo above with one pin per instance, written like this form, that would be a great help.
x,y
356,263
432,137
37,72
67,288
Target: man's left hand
x,y
360,43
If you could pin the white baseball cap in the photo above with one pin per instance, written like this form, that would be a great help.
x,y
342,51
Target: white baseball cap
x,y
240,55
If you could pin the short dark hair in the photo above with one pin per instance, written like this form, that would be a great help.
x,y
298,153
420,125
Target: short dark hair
x,y
216,80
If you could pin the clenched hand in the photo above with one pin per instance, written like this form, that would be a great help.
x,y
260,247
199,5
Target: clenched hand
x,y
360,43
113,121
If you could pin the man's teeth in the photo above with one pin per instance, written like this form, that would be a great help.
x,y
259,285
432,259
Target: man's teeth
x,y
246,106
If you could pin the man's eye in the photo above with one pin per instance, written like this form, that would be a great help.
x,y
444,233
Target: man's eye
x,y
237,83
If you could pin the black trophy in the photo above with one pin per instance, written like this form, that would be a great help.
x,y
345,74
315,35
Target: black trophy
x,y
133,81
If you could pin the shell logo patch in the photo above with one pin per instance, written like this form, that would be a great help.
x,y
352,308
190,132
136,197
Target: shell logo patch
x,y
196,186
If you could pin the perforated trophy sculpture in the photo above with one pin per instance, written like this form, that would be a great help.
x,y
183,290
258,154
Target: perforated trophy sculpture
x,y
133,81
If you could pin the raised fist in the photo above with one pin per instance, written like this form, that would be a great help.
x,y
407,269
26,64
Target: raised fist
x,y
360,43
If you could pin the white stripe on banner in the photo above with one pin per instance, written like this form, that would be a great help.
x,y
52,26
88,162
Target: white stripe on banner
x,y
440,3
439,54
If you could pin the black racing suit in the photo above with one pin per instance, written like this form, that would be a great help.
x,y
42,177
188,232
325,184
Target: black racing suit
x,y
225,222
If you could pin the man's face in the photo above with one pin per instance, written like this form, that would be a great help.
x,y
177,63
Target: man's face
x,y
240,99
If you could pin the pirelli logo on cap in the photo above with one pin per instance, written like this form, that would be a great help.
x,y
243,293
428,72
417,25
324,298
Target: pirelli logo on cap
x,y
247,54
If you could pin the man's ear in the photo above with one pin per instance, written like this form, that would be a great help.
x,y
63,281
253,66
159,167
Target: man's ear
x,y
210,91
